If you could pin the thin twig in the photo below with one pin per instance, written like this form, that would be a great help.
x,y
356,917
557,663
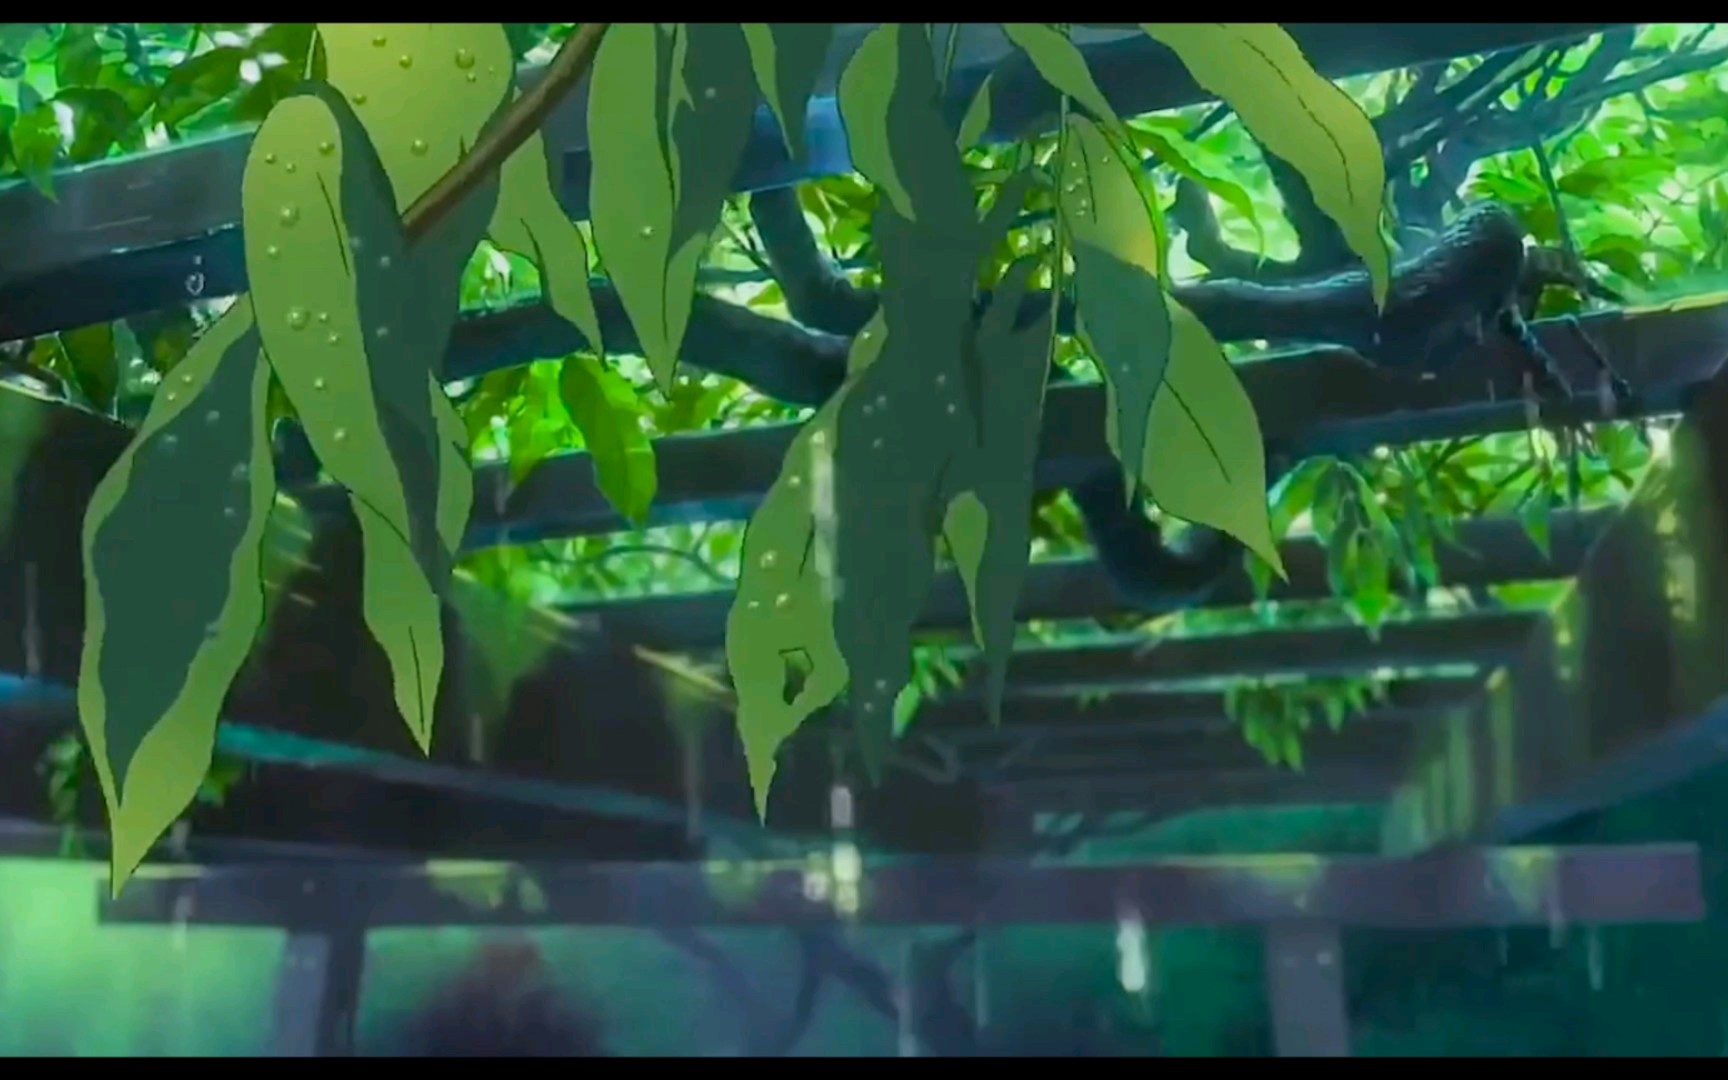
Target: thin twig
x,y
523,118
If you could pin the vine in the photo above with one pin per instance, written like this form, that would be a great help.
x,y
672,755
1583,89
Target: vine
x,y
367,189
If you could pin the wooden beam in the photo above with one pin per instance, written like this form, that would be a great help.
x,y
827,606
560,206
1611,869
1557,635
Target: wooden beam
x,y
1458,888
1490,551
1620,690
1160,796
125,235
1483,638
1315,401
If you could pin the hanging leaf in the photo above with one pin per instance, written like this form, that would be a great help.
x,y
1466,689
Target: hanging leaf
x,y
455,471
1205,460
352,324
90,351
423,91
890,108
788,58
1118,296
907,413
977,119
173,589
1258,70
782,619
989,487
603,405
1063,66
530,221
669,111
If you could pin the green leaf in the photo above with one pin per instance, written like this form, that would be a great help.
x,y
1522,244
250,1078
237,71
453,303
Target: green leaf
x,y
1063,66
197,83
989,487
1299,115
603,404
783,615
1183,159
77,55
423,91
890,107
977,119
1536,514
99,119
787,58
669,112
530,221
1118,295
90,349
35,137
1205,460
173,589
352,323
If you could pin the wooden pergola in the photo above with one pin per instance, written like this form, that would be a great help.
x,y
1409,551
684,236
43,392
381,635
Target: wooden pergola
x,y
1542,715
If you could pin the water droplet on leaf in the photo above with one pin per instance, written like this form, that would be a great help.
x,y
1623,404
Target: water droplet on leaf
x,y
358,99
405,61
380,41
418,147
340,434
319,383
333,338
242,471
381,332
272,252
464,59
269,159
298,318
383,262
169,442
213,417
768,559
289,167
289,215
326,148
647,230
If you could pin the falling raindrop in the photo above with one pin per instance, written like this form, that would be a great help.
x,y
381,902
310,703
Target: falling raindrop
x,y
288,216
230,512
876,444
384,261
298,318
169,442
952,408
32,624
941,380
213,417
381,332
1593,957
709,94
241,470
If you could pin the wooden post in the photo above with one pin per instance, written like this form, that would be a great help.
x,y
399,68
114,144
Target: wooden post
x,y
318,992
1305,988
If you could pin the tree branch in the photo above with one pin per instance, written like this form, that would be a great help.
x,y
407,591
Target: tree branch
x,y
523,118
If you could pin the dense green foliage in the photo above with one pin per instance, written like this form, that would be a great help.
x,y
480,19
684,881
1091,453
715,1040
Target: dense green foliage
x,y
1629,181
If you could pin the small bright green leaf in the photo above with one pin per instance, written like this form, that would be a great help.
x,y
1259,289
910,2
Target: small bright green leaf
x,y
1118,295
1298,114
605,409
1183,158
90,349
530,221
783,616
1063,66
35,137
455,472
173,590
1536,514
423,91
669,112
890,107
1205,460
977,119
787,58
989,485
352,323
77,55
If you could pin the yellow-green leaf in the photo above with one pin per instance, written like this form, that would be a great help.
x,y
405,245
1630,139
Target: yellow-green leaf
x,y
353,323
669,112
787,58
1298,114
783,614
889,105
530,221
1117,291
423,91
1205,460
604,407
174,593
455,471
1063,66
